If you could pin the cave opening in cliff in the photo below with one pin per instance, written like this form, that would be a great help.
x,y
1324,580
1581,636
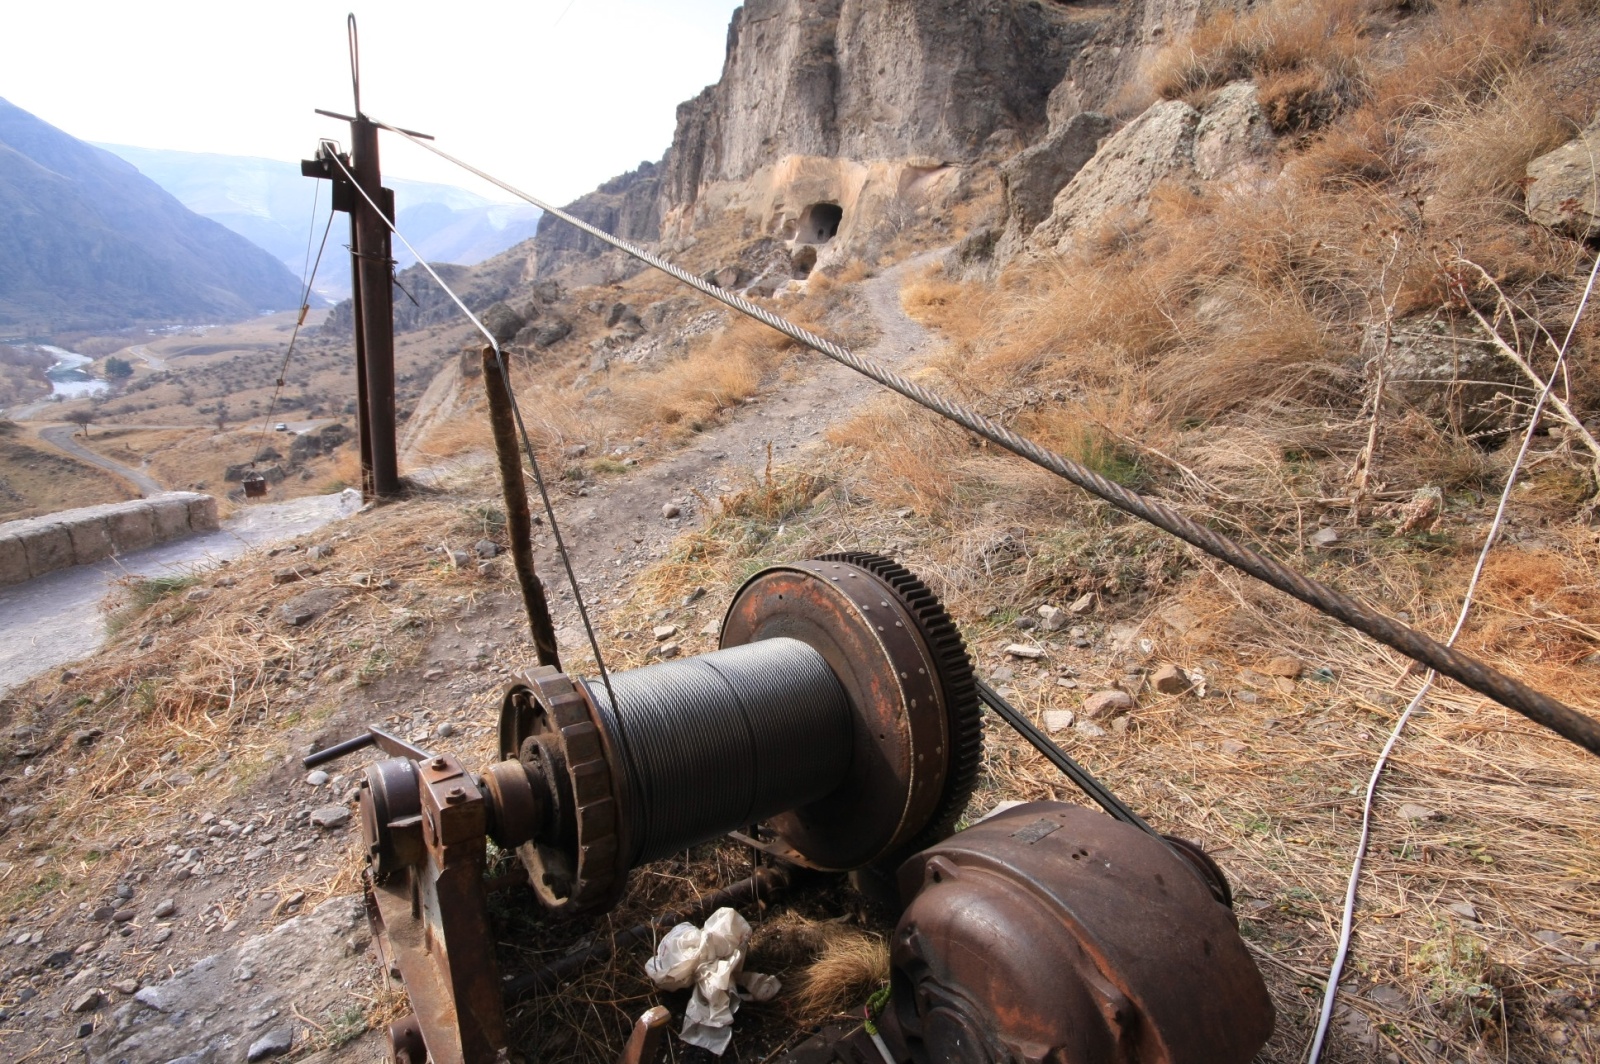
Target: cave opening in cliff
x,y
803,261
819,223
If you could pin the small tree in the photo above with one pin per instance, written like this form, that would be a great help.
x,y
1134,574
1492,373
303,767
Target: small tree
x,y
83,419
118,369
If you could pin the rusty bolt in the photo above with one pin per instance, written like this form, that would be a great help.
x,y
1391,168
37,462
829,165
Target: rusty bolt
x,y
439,764
455,796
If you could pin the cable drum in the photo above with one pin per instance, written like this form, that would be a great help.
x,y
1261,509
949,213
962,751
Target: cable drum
x,y
716,743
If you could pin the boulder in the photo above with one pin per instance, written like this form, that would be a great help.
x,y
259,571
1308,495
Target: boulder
x,y
1157,145
502,322
1234,135
1439,367
1563,190
1170,141
621,314
546,335
1030,179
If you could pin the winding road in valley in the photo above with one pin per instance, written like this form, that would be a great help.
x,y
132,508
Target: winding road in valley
x,y
60,437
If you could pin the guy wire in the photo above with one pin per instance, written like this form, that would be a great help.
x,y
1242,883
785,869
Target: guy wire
x,y
309,278
516,411
1538,707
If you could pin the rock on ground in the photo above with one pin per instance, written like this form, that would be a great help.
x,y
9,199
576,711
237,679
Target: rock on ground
x,y
1443,369
218,1010
1563,190
1104,704
1169,141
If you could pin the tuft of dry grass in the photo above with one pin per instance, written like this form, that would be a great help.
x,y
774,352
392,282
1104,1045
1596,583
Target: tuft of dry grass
x,y
1308,56
851,965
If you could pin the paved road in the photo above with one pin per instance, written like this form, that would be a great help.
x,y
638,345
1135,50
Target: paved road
x,y
60,436
55,619
150,360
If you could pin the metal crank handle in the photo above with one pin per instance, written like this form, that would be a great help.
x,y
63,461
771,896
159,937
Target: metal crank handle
x,y
392,745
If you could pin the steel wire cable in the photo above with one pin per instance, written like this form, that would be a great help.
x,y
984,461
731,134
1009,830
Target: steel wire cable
x,y
1486,680
330,150
308,276
727,739
1347,917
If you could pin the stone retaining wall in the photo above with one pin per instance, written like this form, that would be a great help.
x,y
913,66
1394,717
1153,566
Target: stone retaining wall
x,y
41,545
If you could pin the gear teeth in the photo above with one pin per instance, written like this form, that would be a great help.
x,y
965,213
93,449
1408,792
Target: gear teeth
x,y
964,714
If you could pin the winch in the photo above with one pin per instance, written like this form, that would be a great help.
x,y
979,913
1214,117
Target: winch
x,y
838,728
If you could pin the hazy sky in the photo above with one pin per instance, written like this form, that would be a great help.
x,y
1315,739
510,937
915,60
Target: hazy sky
x,y
554,96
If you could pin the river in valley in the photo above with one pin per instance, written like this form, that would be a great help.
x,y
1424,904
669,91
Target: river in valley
x,y
68,378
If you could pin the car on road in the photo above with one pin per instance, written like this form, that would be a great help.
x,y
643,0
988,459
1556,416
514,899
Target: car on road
x,y
280,427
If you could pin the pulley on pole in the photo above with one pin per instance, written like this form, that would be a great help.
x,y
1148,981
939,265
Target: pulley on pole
x,y
371,210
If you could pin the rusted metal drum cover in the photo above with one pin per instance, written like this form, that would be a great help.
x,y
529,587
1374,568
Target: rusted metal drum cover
x,y
1053,932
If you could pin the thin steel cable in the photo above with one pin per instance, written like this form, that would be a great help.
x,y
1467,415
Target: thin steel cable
x,y
516,410
1064,761
1536,706
1347,920
309,278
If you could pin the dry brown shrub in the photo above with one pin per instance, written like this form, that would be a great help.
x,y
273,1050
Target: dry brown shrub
x,y
1480,149
715,375
913,454
851,965
958,310
1311,50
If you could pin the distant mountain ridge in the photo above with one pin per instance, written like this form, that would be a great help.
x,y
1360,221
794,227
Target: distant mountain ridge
x,y
269,203
86,241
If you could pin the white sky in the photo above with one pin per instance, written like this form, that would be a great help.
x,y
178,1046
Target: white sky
x,y
554,97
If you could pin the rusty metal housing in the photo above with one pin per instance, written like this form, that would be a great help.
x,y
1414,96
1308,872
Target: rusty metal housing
x,y
841,714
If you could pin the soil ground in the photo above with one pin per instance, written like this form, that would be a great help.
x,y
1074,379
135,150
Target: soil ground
x,y
206,802
464,634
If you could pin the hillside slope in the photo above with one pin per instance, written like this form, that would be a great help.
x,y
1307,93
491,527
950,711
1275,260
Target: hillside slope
x,y
86,240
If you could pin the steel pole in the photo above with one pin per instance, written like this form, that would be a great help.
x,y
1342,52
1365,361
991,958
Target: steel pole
x,y
375,306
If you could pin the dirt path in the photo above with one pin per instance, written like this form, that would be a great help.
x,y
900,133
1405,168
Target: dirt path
x,y
60,437
619,527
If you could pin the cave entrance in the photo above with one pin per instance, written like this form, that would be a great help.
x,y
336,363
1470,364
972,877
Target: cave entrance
x,y
803,261
819,223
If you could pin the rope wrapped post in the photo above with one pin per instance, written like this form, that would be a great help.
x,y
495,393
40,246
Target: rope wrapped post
x,y
519,521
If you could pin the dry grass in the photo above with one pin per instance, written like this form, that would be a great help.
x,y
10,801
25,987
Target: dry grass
x,y
851,965
202,711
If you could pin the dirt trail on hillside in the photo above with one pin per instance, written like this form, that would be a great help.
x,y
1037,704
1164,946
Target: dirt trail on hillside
x,y
621,521
60,437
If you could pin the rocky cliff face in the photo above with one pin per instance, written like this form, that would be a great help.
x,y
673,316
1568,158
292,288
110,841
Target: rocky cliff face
x,y
627,206
872,81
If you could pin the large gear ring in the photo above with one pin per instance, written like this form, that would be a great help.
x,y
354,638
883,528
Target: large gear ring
x,y
914,704
549,727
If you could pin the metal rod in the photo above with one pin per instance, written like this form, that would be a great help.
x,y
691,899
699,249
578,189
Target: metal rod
x,y
519,522
765,882
1061,759
338,750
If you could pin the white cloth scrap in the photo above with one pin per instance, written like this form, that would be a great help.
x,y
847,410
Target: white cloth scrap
x,y
711,959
